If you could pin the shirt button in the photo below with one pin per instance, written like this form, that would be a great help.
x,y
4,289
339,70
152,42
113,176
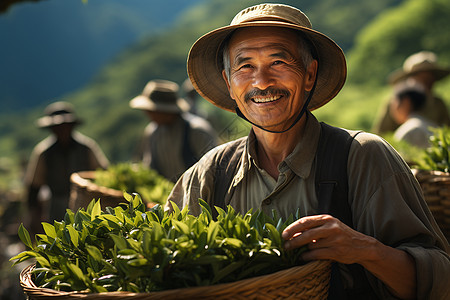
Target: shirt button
x,y
267,201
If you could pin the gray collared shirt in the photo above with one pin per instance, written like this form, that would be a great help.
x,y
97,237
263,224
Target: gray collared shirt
x,y
386,200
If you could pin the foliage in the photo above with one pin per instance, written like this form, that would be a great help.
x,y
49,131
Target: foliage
x,y
135,178
387,31
436,157
413,26
131,249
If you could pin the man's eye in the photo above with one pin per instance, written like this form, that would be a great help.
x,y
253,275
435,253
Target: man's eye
x,y
278,62
245,66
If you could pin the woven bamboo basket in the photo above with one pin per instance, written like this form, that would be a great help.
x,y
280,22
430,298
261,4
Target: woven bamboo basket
x,y
436,190
83,190
309,281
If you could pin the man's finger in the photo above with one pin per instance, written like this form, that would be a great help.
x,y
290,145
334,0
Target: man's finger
x,y
304,224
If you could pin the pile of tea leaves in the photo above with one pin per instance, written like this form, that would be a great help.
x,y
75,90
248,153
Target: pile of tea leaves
x,y
135,178
136,249
437,156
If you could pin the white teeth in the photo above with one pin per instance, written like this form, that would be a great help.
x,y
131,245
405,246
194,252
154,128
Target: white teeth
x,y
266,99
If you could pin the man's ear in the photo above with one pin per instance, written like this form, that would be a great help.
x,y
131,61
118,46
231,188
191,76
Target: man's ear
x,y
310,75
225,78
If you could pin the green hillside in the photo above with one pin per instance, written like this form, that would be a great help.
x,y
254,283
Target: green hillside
x,y
386,32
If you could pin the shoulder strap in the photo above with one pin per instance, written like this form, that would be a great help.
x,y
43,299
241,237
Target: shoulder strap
x,y
332,193
227,163
331,172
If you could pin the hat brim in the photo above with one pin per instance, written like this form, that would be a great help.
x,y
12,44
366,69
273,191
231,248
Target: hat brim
x,y
145,103
399,74
49,121
204,67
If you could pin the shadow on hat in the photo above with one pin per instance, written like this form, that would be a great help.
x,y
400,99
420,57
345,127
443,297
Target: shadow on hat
x,y
58,113
161,96
424,61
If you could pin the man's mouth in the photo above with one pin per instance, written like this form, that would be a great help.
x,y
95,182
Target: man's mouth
x,y
266,96
266,99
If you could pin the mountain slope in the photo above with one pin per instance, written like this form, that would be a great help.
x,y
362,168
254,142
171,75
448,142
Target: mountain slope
x,y
103,103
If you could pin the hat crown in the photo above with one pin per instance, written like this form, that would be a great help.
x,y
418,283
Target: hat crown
x,y
58,113
272,12
59,108
423,58
161,91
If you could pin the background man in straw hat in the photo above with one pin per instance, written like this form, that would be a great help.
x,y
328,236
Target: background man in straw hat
x,y
272,69
55,158
423,69
175,139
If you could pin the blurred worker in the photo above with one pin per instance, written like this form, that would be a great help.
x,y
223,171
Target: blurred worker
x,y
55,158
414,128
175,139
423,68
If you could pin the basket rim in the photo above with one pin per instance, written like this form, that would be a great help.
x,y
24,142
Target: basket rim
x,y
84,179
262,281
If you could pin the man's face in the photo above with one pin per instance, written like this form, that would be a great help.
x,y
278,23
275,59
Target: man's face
x,y
267,77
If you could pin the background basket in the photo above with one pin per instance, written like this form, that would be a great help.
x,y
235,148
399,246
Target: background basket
x,y
83,190
309,281
436,189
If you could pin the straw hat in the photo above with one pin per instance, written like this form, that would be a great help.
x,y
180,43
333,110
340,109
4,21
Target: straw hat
x,y
419,62
160,95
58,113
205,64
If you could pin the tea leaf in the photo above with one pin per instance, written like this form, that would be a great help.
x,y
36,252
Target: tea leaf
x,y
25,236
96,210
73,235
49,230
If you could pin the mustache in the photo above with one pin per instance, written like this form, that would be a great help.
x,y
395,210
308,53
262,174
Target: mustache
x,y
270,91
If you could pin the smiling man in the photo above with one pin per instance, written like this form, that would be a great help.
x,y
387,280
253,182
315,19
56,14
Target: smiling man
x,y
361,205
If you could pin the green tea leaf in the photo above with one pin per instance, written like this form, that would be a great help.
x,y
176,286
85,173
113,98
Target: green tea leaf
x,y
49,230
236,243
96,210
229,269
25,236
274,235
94,253
119,241
73,235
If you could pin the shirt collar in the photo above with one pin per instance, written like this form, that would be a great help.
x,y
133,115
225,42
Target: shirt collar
x,y
301,159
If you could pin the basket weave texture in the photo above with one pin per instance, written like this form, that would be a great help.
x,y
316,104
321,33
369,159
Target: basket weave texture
x,y
83,190
309,281
436,190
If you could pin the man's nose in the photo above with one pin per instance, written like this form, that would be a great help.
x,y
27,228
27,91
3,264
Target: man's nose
x,y
263,79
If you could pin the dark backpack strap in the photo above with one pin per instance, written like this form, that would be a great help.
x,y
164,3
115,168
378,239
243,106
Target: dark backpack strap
x,y
332,193
189,157
331,172
227,163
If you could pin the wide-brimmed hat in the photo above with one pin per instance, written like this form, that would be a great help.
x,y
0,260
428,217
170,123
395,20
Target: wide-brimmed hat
x,y
160,95
205,62
419,62
58,113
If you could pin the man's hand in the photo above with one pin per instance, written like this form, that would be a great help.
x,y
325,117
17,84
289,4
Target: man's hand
x,y
328,238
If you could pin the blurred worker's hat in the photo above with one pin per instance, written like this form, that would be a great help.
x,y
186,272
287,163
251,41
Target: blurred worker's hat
x,y
160,95
58,113
424,61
